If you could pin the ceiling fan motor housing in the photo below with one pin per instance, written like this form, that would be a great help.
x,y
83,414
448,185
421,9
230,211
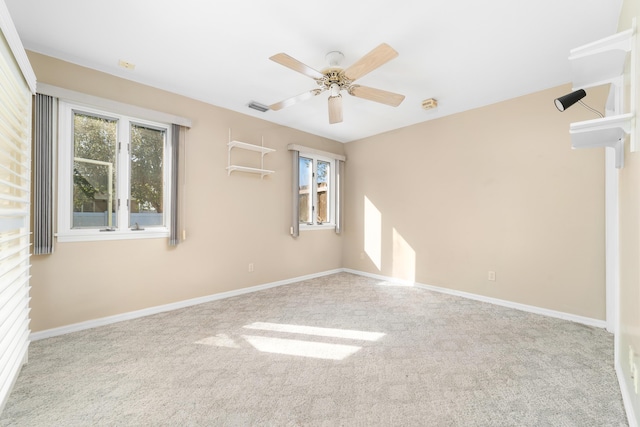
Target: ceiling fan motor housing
x,y
334,76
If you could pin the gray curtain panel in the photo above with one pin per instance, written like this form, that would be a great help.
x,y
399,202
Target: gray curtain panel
x,y
177,139
295,218
43,152
340,191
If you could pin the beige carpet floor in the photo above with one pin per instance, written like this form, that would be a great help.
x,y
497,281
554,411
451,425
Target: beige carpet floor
x,y
341,350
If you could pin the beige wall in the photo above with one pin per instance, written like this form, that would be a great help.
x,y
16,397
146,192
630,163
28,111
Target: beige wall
x,y
497,188
231,221
630,233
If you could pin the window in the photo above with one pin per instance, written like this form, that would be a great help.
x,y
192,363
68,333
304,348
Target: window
x,y
318,181
316,193
113,175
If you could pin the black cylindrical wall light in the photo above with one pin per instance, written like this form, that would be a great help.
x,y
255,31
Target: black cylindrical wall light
x,y
569,99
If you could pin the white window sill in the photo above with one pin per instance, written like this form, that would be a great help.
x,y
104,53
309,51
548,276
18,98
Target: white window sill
x,y
96,235
306,227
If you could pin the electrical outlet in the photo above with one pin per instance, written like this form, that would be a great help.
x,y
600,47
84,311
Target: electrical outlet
x,y
631,356
250,267
491,276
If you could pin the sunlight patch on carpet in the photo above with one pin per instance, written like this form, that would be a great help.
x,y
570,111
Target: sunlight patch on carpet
x,y
316,350
316,331
220,340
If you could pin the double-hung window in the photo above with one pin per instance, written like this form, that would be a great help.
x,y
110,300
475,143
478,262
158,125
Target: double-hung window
x,y
317,191
113,175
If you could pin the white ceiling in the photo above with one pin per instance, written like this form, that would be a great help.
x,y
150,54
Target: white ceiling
x,y
464,53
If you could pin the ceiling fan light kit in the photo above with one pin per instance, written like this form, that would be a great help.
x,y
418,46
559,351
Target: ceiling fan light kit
x,y
336,79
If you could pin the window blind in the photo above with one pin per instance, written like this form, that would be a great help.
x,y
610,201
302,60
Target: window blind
x,y
15,175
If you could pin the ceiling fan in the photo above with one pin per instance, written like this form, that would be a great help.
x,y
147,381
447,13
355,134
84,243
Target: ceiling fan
x,y
336,79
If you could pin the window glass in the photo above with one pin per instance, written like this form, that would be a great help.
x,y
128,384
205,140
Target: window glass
x,y
316,195
305,195
94,171
147,176
322,181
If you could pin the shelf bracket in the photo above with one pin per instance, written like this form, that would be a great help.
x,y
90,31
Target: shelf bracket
x,y
619,148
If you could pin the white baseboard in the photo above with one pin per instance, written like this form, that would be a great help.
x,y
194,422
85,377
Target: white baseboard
x,y
75,327
523,307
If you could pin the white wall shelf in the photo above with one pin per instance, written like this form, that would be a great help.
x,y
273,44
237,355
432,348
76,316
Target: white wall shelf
x,y
606,132
250,147
595,64
247,169
600,62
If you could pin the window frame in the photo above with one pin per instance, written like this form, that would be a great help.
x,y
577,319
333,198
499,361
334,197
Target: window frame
x,y
123,230
331,189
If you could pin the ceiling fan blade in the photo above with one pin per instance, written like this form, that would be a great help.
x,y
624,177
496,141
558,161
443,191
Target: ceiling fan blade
x,y
377,95
290,101
372,60
335,109
295,65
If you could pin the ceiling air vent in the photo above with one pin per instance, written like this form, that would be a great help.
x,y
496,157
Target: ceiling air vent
x,y
258,106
